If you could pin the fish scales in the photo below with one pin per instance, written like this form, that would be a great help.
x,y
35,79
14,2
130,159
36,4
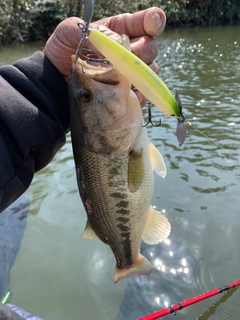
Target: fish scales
x,y
107,193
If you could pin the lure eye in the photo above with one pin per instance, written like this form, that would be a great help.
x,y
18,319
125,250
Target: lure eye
x,y
83,95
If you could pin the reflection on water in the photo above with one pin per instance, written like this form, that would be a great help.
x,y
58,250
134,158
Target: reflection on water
x,y
167,283
59,276
214,308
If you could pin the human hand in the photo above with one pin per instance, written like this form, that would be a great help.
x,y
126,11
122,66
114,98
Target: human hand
x,y
141,28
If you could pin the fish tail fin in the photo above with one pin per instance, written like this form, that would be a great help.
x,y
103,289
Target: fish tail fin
x,y
141,266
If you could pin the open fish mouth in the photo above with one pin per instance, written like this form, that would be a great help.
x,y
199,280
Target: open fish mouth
x,y
95,67
92,62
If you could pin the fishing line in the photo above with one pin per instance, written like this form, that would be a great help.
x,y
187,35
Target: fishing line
x,y
188,123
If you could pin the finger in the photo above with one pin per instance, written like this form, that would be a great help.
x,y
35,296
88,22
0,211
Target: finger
x,y
142,99
108,32
63,43
154,22
69,32
155,67
146,48
149,22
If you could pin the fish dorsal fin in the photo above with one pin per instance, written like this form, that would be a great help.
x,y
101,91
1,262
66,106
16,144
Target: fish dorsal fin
x,y
157,161
135,170
89,233
141,266
157,227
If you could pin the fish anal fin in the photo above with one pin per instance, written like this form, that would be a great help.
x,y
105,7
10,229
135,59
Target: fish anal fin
x,y
141,267
157,227
157,161
89,233
135,170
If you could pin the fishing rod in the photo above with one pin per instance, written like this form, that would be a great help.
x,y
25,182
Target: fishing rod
x,y
189,302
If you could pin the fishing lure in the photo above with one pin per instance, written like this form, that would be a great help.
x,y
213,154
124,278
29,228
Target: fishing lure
x,y
139,74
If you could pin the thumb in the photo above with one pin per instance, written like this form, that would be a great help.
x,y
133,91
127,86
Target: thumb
x,y
154,21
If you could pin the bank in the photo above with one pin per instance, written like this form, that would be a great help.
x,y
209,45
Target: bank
x,y
31,20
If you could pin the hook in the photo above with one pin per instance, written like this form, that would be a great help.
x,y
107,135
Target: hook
x,y
88,55
80,48
87,17
150,118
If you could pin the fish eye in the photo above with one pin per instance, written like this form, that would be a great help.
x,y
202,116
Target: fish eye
x,y
83,95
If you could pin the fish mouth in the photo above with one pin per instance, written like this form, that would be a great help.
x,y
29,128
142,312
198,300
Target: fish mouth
x,y
100,70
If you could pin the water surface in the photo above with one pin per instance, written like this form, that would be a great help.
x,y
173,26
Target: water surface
x,y
59,276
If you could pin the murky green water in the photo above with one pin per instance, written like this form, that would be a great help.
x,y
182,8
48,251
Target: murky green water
x,y
59,276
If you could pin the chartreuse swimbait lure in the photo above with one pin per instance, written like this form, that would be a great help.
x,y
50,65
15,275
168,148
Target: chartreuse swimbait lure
x,y
137,72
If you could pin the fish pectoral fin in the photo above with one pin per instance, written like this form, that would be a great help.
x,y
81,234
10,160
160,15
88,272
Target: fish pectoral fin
x,y
141,266
157,227
157,161
135,170
89,233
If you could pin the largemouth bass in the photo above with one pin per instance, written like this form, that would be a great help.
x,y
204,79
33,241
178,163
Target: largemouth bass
x,y
114,165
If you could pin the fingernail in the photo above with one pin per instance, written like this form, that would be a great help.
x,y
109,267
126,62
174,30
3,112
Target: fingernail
x,y
159,21
154,22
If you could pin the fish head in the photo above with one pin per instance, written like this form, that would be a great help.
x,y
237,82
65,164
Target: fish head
x,y
104,109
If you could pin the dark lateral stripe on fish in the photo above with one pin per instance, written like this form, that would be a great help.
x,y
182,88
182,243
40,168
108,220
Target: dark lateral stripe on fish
x,y
104,141
123,219
126,243
114,171
123,211
122,204
123,227
118,195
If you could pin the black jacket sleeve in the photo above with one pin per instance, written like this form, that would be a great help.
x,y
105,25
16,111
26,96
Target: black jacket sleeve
x,y
34,118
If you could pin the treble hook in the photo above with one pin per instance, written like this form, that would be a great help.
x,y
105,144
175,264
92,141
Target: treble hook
x,y
150,117
87,17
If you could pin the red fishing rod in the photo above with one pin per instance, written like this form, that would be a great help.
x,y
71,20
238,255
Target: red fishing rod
x,y
189,302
